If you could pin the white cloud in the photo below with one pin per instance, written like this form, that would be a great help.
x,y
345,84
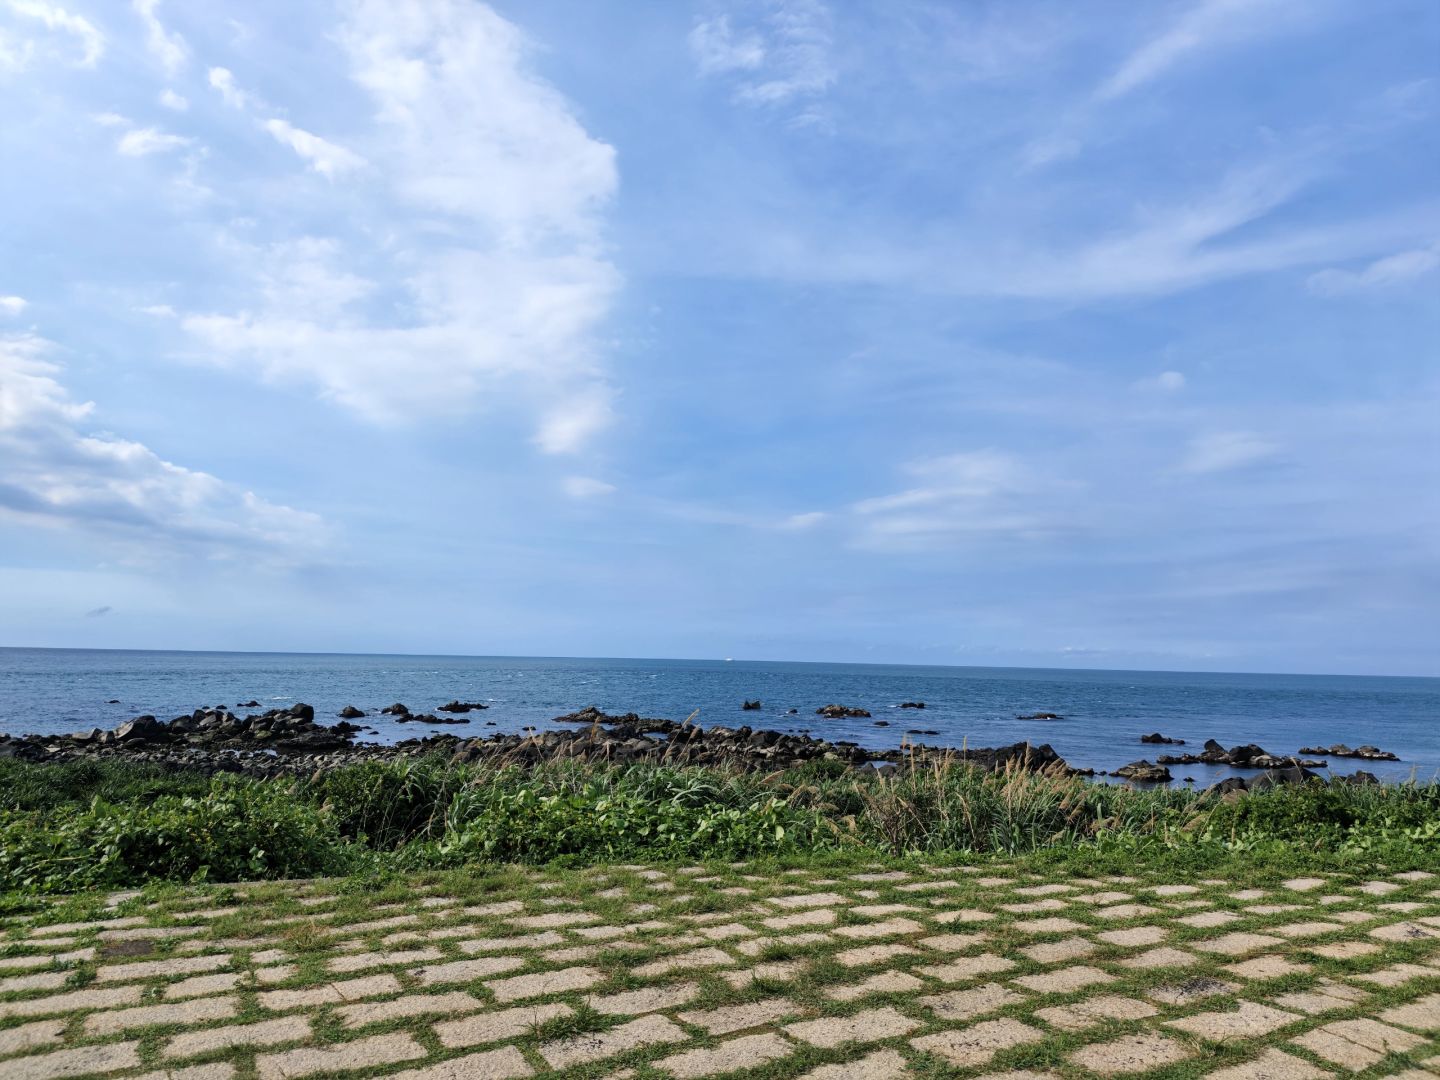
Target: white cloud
x,y
325,157
1208,24
972,495
1388,272
586,487
716,47
59,471
802,522
485,228
782,56
12,305
1167,382
222,80
140,142
570,424
54,17
173,101
166,46
1225,451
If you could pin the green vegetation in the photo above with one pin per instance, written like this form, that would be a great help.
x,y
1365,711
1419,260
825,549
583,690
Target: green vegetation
x,y
101,824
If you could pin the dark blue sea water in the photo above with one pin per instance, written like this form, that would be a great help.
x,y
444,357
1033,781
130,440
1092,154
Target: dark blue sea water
x,y
58,690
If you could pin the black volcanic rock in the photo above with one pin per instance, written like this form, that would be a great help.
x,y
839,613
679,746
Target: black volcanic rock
x,y
836,712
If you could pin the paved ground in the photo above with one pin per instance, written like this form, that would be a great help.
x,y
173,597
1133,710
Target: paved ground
x,y
687,972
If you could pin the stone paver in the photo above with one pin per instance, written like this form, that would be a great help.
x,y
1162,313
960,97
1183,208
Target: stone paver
x,y
872,1025
881,1065
746,1052
506,1063
546,982
1271,1064
264,1033
975,1045
579,1049
1357,1044
495,1026
1092,1011
196,1011
360,1054
1064,980
1249,1021
1130,1054
714,972
80,1061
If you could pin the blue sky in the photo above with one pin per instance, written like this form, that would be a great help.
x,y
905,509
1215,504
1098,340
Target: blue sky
x,y
1087,334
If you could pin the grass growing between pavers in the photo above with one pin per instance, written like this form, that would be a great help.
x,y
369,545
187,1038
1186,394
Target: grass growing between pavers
x,y
620,922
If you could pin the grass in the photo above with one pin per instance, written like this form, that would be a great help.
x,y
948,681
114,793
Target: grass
x,y
352,903
70,827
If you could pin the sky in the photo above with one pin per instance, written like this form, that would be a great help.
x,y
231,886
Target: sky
x,y
1077,334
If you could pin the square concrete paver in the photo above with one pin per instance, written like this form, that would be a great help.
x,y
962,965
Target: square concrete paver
x,y
872,1025
881,1065
1130,1054
1271,1064
1056,952
1064,981
746,1052
1357,1044
1249,1021
975,1045
965,1004
1092,1011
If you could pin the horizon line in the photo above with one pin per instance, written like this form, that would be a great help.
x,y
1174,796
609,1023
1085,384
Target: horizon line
x,y
711,660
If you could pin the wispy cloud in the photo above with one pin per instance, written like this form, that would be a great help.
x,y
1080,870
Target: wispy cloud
x,y
1388,272
775,53
586,487
970,495
1206,25
56,18
168,47
1227,451
12,305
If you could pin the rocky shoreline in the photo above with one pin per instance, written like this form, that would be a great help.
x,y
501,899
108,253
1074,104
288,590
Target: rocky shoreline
x,y
290,741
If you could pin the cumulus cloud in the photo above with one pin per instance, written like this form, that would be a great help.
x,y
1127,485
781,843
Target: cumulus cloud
x,y
55,18
778,53
1389,272
173,101
1226,451
222,80
488,195
168,47
12,305
324,157
59,470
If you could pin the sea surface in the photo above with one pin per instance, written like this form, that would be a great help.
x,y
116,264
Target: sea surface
x,y
1105,712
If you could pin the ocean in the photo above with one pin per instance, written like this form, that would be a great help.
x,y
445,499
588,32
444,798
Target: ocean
x,y
1105,712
